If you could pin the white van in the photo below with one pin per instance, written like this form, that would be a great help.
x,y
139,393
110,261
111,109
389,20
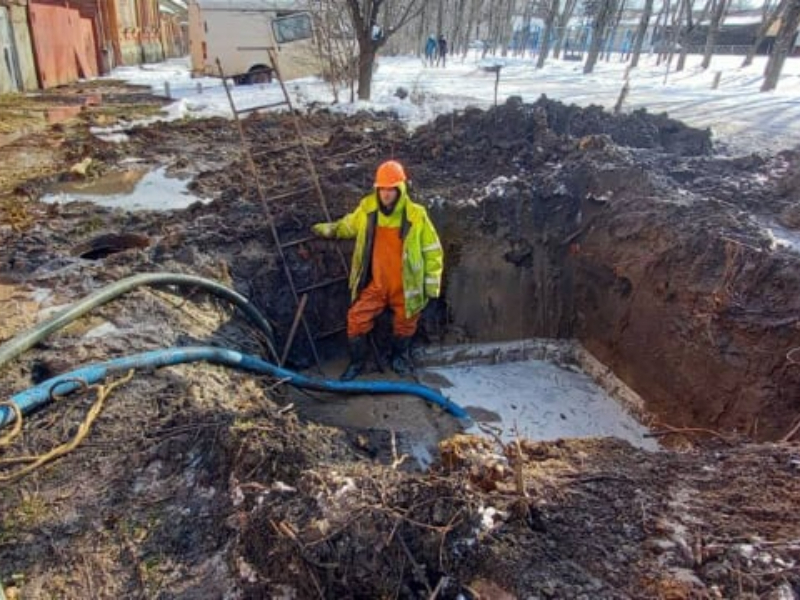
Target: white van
x,y
238,33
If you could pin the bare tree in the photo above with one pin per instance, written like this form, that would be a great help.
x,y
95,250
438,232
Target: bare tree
x,y
551,11
371,36
790,20
421,31
491,37
562,26
687,28
718,12
525,32
769,14
460,37
612,30
336,47
663,40
474,15
604,12
505,30
641,32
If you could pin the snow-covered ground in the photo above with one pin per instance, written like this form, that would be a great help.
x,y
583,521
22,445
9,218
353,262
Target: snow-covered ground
x,y
742,118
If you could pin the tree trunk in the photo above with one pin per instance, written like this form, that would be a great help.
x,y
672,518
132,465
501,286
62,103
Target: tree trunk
x,y
489,42
552,11
506,31
660,32
525,33
767,19
458,33
366,61
613,28
641,32
470,20
561,26
790,19
422,35
601,24
684,30
713,31
686,34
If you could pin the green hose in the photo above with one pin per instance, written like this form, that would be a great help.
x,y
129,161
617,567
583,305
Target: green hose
x,y
27,339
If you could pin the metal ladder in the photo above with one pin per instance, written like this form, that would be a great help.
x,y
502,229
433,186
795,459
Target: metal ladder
x,y
299,294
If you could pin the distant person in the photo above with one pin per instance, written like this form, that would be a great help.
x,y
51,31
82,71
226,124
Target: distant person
x,y
397,263
441,56
430,51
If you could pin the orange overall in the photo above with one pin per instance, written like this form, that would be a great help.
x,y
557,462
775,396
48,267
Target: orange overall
x,y
384,289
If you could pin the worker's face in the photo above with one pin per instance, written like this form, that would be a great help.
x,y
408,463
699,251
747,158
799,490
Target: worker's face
x,y
388,197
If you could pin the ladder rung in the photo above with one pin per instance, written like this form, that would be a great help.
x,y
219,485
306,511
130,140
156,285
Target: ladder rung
x,y
300,241
240,111
290,194
325,334
277,150
316,286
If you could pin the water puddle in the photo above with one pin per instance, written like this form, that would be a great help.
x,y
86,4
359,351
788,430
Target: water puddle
x,y
132,190
539,400
784,237
536,389
778,235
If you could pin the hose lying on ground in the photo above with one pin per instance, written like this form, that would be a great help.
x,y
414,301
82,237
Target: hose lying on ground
x,y
33,462
35,397
27,339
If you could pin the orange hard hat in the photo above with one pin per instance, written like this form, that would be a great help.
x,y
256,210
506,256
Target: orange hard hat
x,y
390,174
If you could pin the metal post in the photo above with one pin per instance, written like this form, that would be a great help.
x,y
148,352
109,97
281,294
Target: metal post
x,y
496,84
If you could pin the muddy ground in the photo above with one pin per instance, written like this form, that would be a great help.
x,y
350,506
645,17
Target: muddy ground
x,y
674,265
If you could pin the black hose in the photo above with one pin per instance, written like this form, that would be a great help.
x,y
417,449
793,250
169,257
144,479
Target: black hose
x,y
23,341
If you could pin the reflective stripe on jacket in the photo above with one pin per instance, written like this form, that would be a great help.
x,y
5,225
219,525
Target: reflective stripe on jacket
x,y
423,257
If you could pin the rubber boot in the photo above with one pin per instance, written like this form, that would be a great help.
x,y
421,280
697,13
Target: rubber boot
x,y
357,347
401,355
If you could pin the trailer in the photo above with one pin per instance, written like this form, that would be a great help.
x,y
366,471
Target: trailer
x,y
239,33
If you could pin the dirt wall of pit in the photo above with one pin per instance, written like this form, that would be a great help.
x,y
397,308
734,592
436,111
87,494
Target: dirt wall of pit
x,y
505,271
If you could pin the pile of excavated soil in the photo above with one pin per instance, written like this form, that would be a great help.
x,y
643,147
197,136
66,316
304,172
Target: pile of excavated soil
x,y
199,481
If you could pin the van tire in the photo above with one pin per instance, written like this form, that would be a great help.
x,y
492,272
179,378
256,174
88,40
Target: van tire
x,y
259,74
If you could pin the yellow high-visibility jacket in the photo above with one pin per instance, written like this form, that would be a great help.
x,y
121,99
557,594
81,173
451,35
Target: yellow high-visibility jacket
x,y
423,257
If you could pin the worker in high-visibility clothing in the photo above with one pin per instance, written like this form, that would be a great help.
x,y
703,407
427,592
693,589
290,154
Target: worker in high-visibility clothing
x,y
397,262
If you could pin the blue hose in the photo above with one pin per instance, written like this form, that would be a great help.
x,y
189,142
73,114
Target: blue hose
x,y
39,395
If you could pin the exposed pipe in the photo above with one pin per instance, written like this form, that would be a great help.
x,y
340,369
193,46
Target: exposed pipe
x,y
27,339
39,395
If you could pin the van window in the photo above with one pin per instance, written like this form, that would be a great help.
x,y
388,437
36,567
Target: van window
x,y
292,28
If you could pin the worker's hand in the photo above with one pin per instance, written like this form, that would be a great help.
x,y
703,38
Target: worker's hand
x,y
323,230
